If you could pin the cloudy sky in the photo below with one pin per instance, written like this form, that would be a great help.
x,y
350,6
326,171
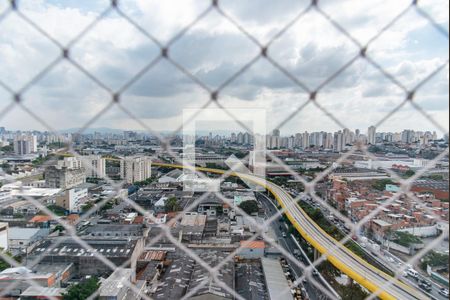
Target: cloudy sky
x,y
212,50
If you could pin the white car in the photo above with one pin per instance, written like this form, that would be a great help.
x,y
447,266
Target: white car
x,y
413,273
444,292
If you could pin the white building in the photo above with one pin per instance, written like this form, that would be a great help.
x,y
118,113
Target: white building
x,y
95,166
70,163
72,199
22,240
389,164
25,144
372,135
135,169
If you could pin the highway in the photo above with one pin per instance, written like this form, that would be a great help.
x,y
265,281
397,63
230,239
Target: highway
x,y
337,254
290,244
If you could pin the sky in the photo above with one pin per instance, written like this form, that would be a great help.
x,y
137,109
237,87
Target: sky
x,y
213,50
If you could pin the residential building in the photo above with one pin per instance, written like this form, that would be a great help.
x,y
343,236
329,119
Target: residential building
x,y
135,169
251,250
72,199
372,135
25,144
95,166
64,178
23,240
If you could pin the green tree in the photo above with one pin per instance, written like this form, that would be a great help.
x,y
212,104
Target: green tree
x,y
7,149
381,184
172,205
434,259
353,291
82,290
409,173
249,207
406,239
59,228
85,208
4,264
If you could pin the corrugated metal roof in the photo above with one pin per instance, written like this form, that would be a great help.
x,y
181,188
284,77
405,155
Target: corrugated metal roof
x,y
253,244
275,279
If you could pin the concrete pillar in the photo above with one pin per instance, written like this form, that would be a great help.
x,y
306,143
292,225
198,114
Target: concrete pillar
x,y
316,254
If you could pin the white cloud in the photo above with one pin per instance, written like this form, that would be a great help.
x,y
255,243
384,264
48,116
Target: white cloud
x,y
213,50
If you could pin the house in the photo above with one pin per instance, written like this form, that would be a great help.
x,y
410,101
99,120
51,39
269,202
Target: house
x,y
251,249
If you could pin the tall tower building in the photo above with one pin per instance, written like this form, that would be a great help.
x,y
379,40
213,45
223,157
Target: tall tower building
x,y
135,169
305,140
339,142
276,132
372,135
25,144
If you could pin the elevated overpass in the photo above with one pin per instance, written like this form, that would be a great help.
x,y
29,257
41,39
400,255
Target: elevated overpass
x,y
337,254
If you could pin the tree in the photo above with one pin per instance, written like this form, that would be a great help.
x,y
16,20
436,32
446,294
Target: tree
x,y
7,149
250,207
353,291
82,290
172,205
409,173
381,184
434,259
4,264
85,208
406,239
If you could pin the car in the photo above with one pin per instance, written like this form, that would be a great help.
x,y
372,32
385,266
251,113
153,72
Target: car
x,y
413,273
315,273
284,234
425,285
444,292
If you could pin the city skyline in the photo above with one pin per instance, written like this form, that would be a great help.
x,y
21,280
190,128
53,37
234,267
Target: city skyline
x,y
205,132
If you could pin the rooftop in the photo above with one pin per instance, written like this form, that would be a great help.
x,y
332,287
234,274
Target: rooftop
x,y
19,233
112,286
193,220
69,247
36,291
40,219
275,280
253,244
381,223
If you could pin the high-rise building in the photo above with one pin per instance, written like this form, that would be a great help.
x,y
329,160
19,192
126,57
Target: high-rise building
x,y
372,135
247,138
276,132
298,140
70,163
407,136
240,138
329,141
135,169
63,178
347,137
25,144
338,144
305,140
95,166
233,138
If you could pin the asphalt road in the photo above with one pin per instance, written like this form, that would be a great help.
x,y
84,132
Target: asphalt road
x,y
313,292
